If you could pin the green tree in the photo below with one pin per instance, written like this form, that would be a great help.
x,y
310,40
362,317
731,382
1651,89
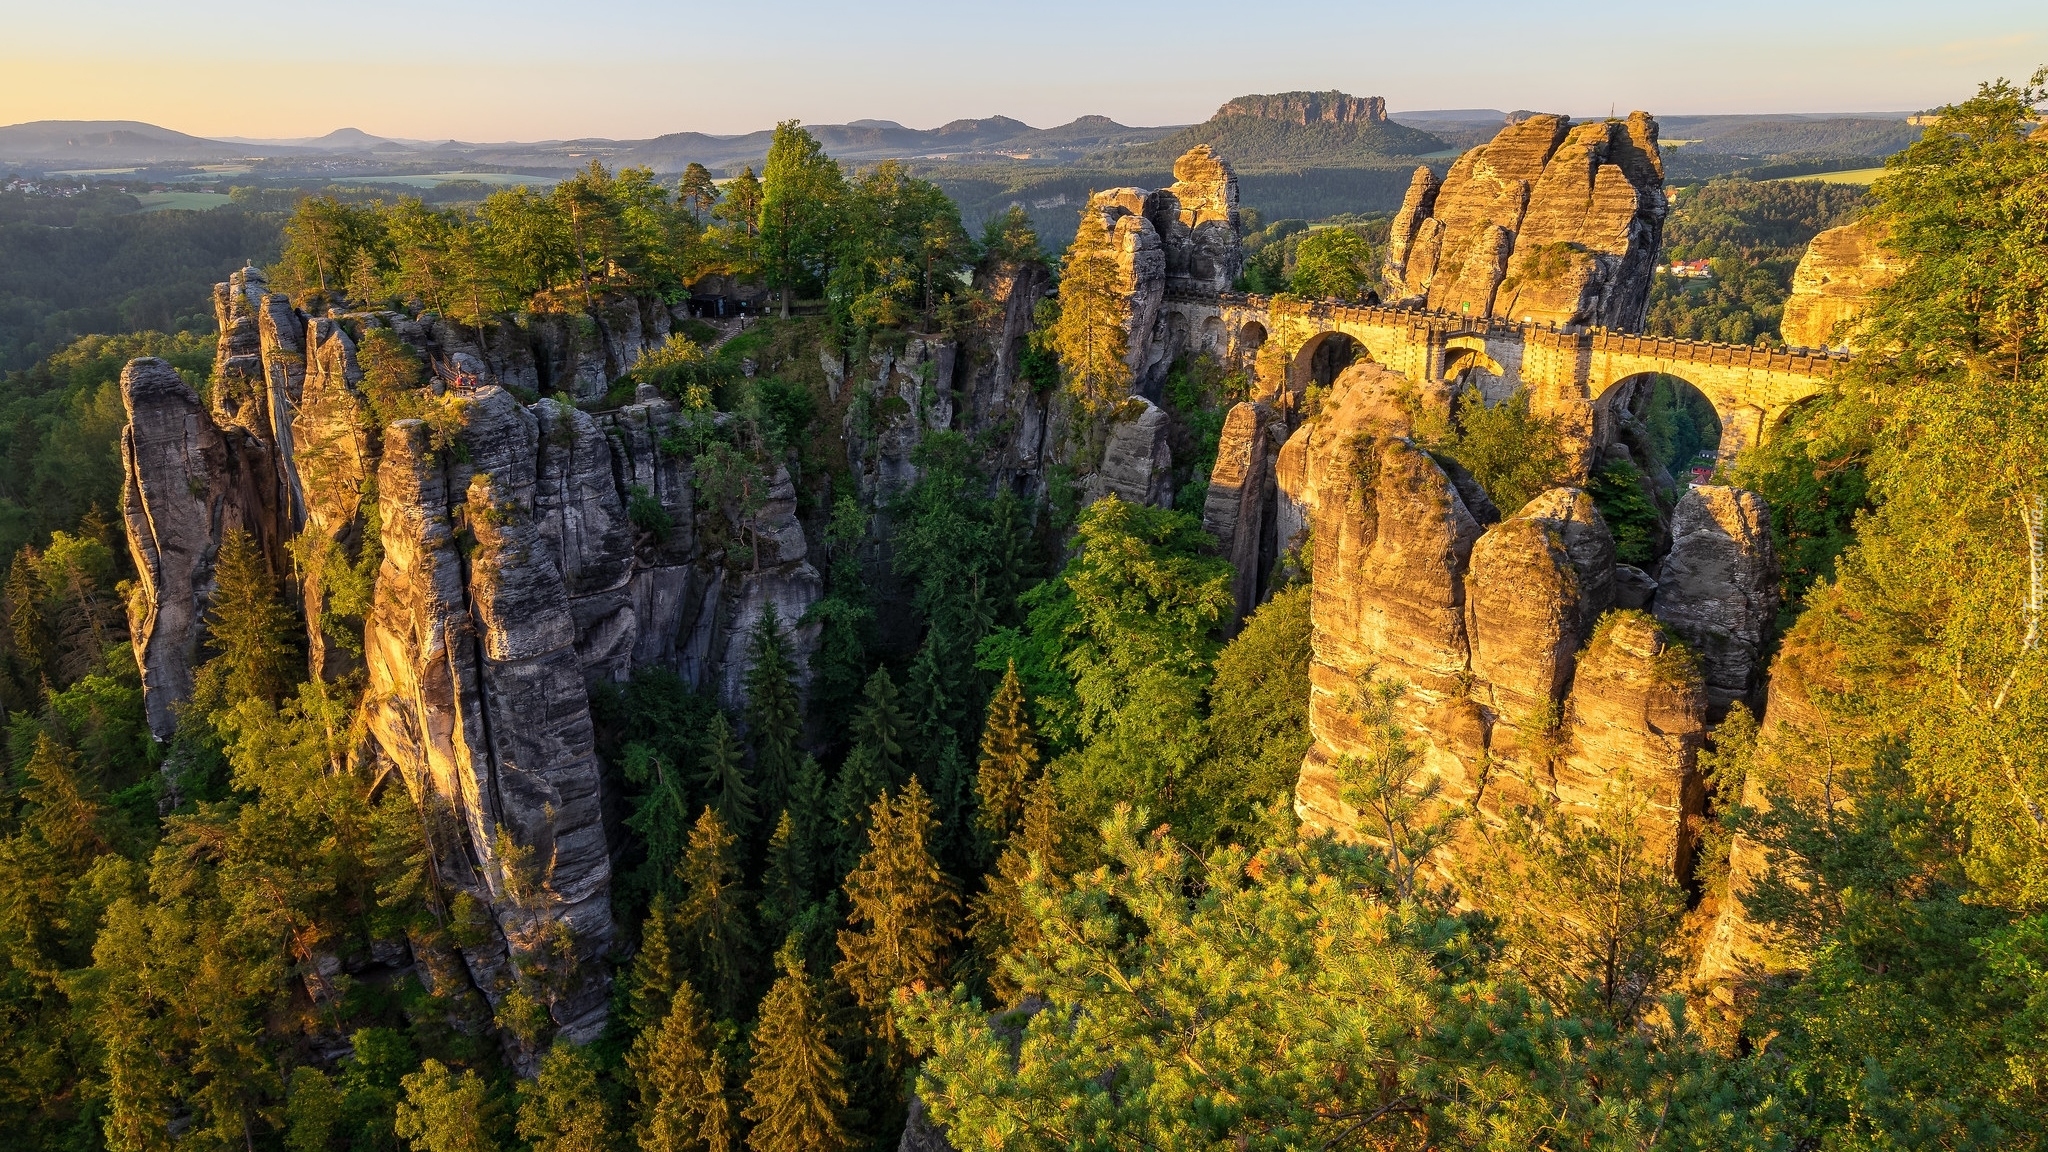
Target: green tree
x,y
1514,453
786,882
711,920
681,1079
323,241
250,630
1001,921
774,713
563,1109
444,1112
901,928
1009,759
800,186
796,1091
722,770
1089,334
697,190
656,970
1258,708
1334,263
661,817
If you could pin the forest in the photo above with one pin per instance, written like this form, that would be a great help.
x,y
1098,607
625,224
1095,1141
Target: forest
x,y
1025,852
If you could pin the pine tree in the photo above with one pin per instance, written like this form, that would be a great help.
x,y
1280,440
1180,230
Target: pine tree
x,y
774,713
681,1079
563,1109
786,884
723,773
809,818
1089,335
443,1112
901,927
879,724
1009,756
249,628
1003,927
656,969
63,810
797,1089
661,815
931,708
712,921
25,614
862,780
952,787
697,191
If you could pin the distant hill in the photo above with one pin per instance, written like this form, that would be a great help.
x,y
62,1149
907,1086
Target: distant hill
x,y
1292,130
870,141
107,142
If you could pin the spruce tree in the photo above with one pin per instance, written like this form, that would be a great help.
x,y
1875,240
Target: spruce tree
x,y
712,920
1009,756
250,630
931,708
681,1079
880,725
774,714
723,773
1003,926
809,818
656,969
661,815
443,1112
901,926
25,614
786,884
862,779
952,788
797,1089
63,810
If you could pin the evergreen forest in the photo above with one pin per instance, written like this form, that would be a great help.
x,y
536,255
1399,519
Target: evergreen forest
x,y
1021,861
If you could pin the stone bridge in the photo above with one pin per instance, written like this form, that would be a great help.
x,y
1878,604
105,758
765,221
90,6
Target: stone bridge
x,y
1288,344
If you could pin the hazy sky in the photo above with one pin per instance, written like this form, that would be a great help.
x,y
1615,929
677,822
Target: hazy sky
x,y
523,69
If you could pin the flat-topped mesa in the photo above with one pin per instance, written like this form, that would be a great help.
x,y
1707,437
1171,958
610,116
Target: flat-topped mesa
x,y
1549,223
1306,108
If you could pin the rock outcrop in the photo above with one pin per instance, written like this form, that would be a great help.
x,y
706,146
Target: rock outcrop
x,y
1137,462
1718,587
496,558
1548,222
1833,285
1514,674
1184,238
1239,507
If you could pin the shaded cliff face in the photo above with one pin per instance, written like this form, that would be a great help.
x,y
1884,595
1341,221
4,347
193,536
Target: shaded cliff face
x,y
1516,674
1548,222
1833,284
479,569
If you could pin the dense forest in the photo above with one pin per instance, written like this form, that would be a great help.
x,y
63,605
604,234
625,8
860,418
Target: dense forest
x,y
1025,850
1752,235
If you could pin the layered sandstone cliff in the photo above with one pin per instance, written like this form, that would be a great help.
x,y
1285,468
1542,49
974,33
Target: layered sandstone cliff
x,y
1549,222
1833,285
476,568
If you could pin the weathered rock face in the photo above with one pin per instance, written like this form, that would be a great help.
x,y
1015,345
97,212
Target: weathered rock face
x,y
1550,222
1507,681
1833,285
1239,509
1185,238
540,550
1717,589
1310,108
187,484
997,399
1137,463
1636,720
903,395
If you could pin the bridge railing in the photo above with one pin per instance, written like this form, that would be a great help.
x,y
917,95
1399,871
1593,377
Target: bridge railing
x,y
1599,340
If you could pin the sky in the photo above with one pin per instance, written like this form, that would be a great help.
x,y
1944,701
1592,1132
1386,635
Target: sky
x,y
489,70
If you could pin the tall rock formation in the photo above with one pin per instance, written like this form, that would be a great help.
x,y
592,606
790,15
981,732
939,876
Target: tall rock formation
x,y
1718,587
495,558
1548,222
1184,238
1239,508
1514,672
1833,284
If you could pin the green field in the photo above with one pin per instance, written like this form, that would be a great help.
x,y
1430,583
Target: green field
x,y
436,179
1853,176
196,201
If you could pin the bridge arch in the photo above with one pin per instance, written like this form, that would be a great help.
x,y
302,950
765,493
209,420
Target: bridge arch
x,y
1669,419
1322,357
1467,364
1246,342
